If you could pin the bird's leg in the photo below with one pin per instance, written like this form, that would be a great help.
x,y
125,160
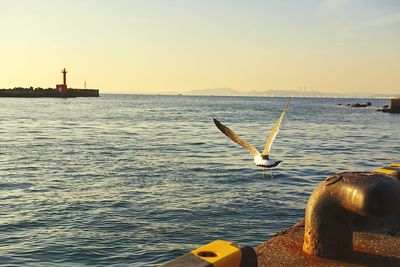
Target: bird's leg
x,y
272,175
263,173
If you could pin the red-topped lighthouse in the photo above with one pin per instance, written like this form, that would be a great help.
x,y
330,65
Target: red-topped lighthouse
x,y
62,88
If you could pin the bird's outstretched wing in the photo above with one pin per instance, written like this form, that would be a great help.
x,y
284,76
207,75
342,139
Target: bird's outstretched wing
x,y
274,132
235,138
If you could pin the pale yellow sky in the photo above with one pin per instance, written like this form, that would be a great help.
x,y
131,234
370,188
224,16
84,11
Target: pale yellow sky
x,y
159,46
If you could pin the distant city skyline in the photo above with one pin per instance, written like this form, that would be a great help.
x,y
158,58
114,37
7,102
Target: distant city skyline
x,y
158,46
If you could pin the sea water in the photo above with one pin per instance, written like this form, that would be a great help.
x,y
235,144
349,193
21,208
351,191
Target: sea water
x,y
141,179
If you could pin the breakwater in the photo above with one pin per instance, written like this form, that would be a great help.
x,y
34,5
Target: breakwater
x,y
395,105
48,92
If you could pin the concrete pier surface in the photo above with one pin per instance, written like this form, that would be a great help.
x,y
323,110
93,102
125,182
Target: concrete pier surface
x,y
376,242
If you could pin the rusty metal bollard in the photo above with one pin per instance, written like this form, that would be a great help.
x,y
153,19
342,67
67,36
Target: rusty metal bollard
x,y
333,204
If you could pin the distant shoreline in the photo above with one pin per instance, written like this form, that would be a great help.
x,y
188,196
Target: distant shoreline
x,y
280,96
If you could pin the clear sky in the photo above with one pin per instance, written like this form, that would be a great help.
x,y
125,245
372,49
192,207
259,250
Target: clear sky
x,y
139,46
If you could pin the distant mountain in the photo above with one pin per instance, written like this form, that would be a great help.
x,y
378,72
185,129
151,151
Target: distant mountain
x,y
298,93
217,92
283,93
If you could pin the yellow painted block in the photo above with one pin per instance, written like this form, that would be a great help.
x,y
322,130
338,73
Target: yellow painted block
x,y
384,171
394,165
220,253
391,169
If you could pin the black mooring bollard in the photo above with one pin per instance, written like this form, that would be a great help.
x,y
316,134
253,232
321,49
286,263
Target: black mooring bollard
x,y
333,204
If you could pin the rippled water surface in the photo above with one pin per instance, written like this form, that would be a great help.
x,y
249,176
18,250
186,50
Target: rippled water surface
x,y
138,180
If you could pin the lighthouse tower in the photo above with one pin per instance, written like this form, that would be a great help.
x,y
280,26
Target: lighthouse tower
x,y
62,88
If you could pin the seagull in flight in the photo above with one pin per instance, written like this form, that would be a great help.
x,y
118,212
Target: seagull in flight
x,y
260,159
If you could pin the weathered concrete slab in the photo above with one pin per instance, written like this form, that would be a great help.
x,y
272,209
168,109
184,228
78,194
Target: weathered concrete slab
x,y
373,246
